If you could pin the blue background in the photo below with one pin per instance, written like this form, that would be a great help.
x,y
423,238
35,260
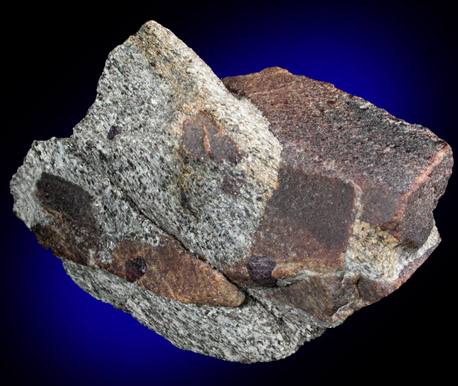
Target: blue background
x,y
401,57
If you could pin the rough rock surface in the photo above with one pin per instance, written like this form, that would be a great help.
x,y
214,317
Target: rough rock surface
x,y
238,219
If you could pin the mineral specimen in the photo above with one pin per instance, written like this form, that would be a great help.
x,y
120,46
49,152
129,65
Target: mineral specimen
x,y
237,218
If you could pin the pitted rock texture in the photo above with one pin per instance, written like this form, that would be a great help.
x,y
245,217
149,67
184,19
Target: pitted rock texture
x,y
237,218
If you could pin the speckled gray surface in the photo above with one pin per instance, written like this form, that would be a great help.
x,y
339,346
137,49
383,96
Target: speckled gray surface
x,y
173,185
249,333
151,85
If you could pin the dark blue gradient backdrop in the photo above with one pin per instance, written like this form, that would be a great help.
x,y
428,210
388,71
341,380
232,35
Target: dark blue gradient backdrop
x,y
401,57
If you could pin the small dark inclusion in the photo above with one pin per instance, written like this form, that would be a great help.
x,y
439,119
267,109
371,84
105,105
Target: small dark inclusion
x,y
113,132
135,269
260,270
232,184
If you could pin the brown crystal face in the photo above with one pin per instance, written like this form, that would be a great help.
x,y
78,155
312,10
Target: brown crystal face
x,y
306,225
169,270
73,232
401,172
203,139
308,218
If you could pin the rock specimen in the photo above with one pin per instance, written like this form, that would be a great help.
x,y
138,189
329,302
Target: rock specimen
x,y
237,218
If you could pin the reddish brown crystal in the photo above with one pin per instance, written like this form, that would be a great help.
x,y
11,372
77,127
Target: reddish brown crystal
x,y
325,130
203,139
171,271
342,159
73,232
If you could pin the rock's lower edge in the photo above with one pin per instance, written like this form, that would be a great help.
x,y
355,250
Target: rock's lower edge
x,y
249,333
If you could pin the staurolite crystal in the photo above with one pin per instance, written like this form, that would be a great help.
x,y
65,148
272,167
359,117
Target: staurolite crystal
x,y
237,218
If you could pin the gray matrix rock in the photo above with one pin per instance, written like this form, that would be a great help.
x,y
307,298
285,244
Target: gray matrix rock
x,y
236,218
